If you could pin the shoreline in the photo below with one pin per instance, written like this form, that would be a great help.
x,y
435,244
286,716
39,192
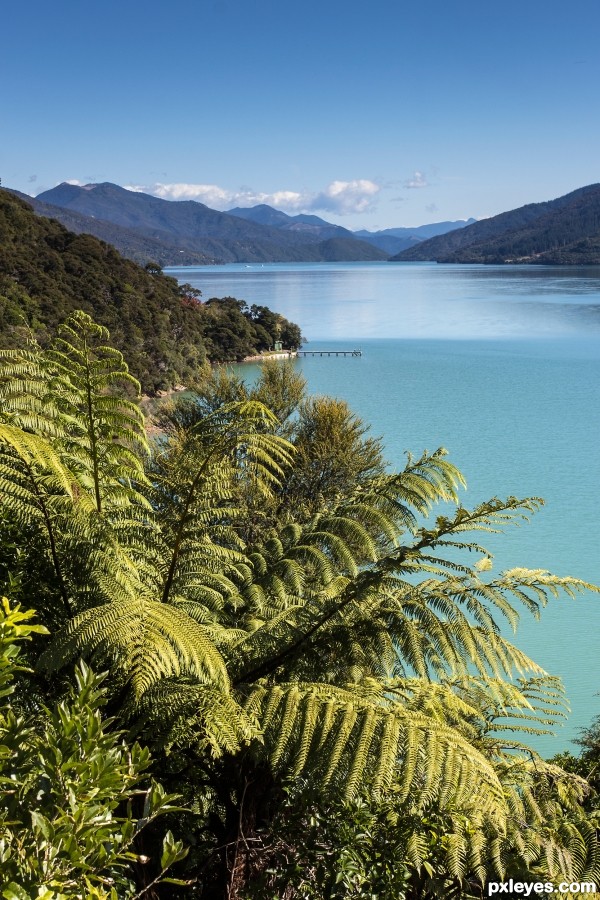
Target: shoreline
x,y
285,354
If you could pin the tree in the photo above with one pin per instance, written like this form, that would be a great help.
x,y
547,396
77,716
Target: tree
x,y
283,610
587,763
276,327
333,455
281,388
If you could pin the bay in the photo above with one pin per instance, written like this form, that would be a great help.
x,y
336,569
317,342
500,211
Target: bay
x,y
500,365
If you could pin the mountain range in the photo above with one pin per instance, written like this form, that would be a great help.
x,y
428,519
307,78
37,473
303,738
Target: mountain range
x,y
394,240
130,243
389,240
565,231
186,226
144,228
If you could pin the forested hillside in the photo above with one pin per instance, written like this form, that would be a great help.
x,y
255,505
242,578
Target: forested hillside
x,y
561,231
165,333
127,241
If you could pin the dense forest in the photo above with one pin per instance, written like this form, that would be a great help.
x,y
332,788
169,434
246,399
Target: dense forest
x,y
565,231
247,660
166,333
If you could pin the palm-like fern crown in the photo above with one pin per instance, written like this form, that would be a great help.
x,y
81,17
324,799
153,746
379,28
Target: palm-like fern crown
x,y
344,640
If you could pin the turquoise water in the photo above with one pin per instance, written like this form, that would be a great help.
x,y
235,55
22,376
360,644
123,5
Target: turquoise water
x,y
372,300
501,366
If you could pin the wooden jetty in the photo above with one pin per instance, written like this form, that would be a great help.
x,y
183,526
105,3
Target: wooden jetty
x,y
328,352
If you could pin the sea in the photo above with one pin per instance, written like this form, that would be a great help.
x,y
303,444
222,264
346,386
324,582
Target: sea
x,y
498,364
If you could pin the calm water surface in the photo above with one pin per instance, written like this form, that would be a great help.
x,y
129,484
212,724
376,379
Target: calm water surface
x,y
501,365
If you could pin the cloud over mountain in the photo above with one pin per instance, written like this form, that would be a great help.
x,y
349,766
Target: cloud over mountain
x,y
346,197
340,197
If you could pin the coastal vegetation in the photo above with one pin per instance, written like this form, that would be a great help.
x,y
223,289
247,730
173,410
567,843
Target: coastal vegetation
x,y
261,663
167,334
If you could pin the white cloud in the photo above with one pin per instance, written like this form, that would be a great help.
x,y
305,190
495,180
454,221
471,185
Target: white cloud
x,y
210,194
341,197
347,197
417,180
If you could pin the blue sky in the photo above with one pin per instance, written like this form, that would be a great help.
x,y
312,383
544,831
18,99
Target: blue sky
x,y
371,115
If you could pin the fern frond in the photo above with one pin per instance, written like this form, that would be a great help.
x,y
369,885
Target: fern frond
x,y
358,738
146,640
181,714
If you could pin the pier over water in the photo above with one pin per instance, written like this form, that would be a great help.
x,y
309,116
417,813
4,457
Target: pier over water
x,y
329,353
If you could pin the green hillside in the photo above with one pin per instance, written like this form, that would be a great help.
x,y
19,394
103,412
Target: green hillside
x,y
127,241
564,231
165,333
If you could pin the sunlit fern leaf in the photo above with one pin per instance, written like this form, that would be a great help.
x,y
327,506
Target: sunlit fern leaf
x,y
180,713
447,623
106,436
146,640
72,393
196,477
417,849
439,626
359,744
36,458
428,479
491,516
265,642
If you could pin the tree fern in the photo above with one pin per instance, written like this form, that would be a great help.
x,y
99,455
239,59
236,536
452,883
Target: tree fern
x,y
106,434
337,732
196,480
258,606
73,393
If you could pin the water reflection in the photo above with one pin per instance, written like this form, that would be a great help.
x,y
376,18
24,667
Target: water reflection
x,y
373,300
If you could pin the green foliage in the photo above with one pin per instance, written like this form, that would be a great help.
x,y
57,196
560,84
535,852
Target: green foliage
x,y
73,805
587,763
233,331
333,456
15,626
280,387
276,327
277,608
347,850
70,445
